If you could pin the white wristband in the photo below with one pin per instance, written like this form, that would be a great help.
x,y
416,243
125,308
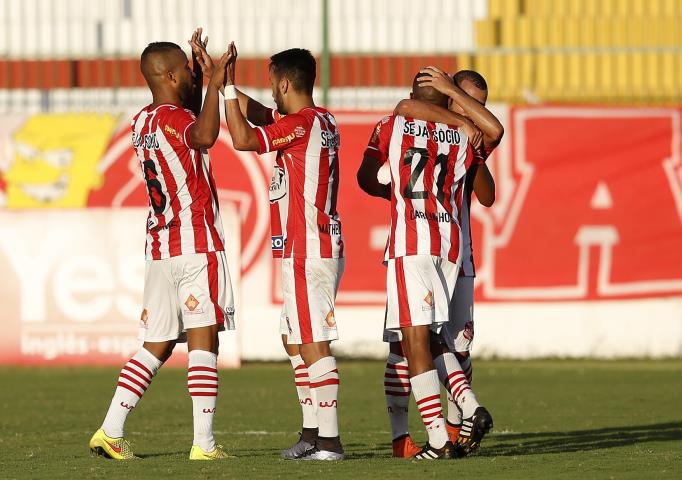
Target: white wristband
x,y
230,92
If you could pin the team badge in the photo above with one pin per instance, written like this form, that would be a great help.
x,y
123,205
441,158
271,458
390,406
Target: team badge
x,y
191,303
330,319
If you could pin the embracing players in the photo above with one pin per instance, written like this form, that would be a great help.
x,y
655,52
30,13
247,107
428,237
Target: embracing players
x,y
307,141
187,291
468,94
427,163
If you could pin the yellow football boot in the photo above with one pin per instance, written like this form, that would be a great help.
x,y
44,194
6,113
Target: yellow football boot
x,y
116,448
197,453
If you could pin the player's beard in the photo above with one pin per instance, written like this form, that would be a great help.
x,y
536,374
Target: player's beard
x,y
279,101
186,92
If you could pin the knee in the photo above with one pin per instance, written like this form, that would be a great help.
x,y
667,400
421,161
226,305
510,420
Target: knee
x,y
462,356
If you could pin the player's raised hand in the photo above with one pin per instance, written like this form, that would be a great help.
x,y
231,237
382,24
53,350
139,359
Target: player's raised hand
x,y
220,71
200,54
231,63
435,78
473,132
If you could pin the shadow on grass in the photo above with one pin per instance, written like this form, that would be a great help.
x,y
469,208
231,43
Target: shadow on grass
x,y
579,440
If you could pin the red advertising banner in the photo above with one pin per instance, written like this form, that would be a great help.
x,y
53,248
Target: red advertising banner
x,y
589,208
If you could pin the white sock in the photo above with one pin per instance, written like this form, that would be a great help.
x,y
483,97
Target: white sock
x,y
202,383
302,381
468,369
397,390
454,416
452,376
133,381
426,390
324,386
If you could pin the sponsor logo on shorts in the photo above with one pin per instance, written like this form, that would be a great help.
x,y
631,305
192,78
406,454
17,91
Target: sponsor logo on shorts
x,y
143,318
469,330
330,319
192,303
428,302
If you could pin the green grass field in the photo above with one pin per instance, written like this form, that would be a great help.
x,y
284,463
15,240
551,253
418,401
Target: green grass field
x,y
553,419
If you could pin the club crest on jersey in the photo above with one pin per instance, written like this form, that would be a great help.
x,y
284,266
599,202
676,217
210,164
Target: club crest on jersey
x,y
278,184
299,131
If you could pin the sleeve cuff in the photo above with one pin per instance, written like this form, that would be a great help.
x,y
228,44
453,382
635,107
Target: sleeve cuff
x,y
184,134
263,145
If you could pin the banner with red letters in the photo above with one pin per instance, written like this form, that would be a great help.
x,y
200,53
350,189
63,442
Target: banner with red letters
x,y
588,209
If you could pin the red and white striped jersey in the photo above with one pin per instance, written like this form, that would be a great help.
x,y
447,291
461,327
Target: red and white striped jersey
x,y
308,144
183,203
427,162
468,269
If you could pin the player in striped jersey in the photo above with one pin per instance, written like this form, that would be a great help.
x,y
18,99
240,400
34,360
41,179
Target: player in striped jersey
x,y
467,98
307,142
427,163
187,294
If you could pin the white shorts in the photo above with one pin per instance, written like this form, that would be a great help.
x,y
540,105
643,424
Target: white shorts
x,y
458,332
309,288
419,289
183,292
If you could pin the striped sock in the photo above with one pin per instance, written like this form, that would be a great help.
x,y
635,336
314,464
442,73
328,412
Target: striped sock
x,y
324,386
454,379
302,381
397,390
202,383
426,390
468,369
133,381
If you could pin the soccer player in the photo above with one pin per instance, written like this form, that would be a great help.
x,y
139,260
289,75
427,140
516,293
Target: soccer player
x,y
313,263
427,164
468,96
187,293
261,115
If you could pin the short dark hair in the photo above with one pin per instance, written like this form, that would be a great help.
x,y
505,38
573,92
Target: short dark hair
x,y
159,47
428,94
298,65
474,77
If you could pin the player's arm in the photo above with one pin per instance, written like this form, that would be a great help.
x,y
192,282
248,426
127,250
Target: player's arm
x,y
195,101
254,111
433,113
375,156
244,137
204,132
368,178
484,185
483,118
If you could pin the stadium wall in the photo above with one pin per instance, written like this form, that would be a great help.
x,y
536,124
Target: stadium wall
x,y
579,257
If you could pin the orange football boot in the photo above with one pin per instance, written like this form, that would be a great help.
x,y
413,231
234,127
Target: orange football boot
x,y
404,447
453,431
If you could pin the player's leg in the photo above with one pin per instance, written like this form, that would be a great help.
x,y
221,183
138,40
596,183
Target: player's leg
x,y
411,308
207,307
397,391
310,287
158,330
458,334
309,430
